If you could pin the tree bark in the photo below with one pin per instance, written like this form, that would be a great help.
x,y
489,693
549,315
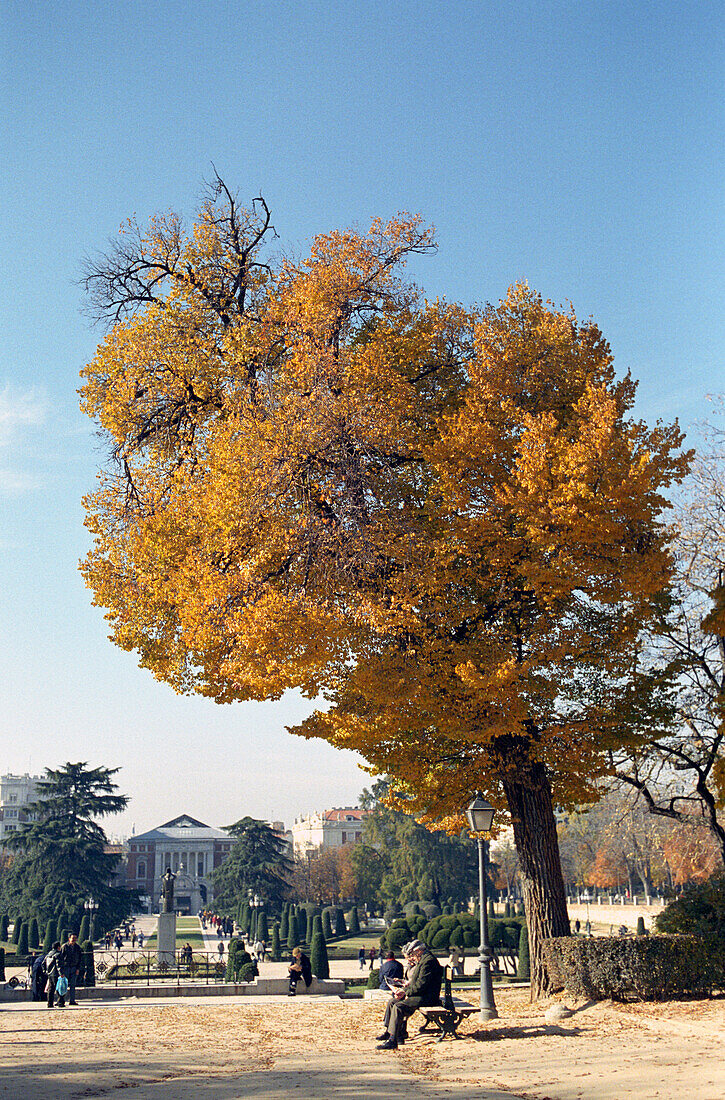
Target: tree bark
x,y
528,793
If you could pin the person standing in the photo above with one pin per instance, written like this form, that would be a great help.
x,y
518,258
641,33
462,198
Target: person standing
x,y
372,956
361,958
73,962
54,968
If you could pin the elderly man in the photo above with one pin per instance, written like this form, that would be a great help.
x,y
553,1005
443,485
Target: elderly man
x,y
422,988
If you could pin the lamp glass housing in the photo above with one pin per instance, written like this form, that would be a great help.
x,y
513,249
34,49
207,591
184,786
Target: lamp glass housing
x,y
480,815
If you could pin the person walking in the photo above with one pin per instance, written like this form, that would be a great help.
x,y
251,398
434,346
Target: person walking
x,y
73,962
361,958
372,956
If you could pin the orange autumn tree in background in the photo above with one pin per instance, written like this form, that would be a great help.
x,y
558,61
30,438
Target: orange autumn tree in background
x,y
442,520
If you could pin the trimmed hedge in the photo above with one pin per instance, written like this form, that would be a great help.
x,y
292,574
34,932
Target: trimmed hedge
x,y
401,931
699,911
643,968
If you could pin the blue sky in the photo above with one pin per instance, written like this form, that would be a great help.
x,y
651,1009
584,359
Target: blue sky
x,y
575,145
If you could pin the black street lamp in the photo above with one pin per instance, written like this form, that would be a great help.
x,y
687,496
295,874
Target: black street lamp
x,y
480,819
92,906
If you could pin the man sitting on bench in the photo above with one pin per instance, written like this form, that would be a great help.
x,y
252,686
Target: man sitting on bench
x,y
422,988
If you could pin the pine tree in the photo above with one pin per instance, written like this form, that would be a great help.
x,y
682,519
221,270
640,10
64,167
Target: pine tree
x,y
318,956
523,968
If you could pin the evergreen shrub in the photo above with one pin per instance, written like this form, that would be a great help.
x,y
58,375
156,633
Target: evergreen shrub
x,y
33,934
641,930
2,964
353,921
401,931
340,926
284,925
276,948
645,968
4,928
373,981
699,911
326,925
88,968
318,956
523,965
22,951
48,937
16,928
293,939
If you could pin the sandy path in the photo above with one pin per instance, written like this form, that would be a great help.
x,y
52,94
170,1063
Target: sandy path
x,y
320,1048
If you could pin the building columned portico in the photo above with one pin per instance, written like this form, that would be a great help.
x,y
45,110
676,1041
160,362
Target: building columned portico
x,y
190,848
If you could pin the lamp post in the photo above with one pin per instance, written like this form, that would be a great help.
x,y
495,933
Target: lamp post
x,y
480,819
92,906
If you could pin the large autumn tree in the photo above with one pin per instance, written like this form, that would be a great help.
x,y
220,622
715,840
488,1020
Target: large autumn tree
x,y
444,520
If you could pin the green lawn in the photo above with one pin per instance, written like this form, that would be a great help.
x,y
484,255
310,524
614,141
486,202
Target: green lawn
x,y
188,930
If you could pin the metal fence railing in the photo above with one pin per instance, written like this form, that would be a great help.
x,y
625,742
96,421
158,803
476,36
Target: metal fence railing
x,y
145,967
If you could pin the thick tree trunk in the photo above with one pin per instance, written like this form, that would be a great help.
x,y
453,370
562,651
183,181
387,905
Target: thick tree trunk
x,y
528,793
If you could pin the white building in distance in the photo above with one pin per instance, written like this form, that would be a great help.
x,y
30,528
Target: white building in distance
x,y
327,829
16,791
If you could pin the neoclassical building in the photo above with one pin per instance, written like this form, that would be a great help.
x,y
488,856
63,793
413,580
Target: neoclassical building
x,y
190,848
327,829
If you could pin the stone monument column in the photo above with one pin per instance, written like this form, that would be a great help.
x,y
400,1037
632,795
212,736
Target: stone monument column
x,y
166,933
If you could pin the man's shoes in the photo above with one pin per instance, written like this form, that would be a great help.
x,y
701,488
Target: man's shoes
x,y
73,1003
389,1045
382,1037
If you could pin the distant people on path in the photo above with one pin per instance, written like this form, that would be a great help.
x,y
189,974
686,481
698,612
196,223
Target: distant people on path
x,y
73,962
54,969
577,926
259,951
391,969
220,949
133,940
300,968
140,941
108,941
454,961
361,958
422,988
372,956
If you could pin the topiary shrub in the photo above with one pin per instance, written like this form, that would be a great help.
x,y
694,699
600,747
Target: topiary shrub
x,y
340,926
275,951
284,925
699,911
63,936
318,956
2,964
523,963
293,937
457,929
491,909
85,931
402,931
88,966
647,968
33,935
302,923
22,951
326,926
16,929
48,937
373,981
641,930
353,921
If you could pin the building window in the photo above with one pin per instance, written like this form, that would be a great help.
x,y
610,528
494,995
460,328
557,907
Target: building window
x,y
344,838
141,870
12,798
10,813
200,867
